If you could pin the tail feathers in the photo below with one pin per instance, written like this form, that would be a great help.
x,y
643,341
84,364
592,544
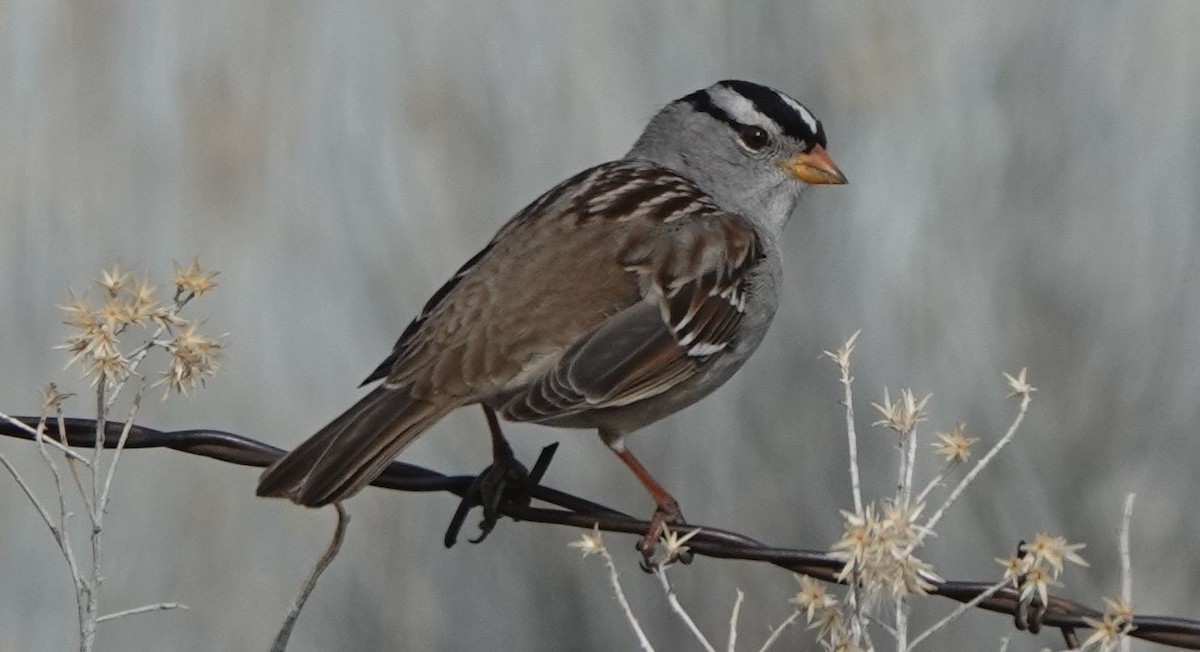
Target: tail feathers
x,y
350,452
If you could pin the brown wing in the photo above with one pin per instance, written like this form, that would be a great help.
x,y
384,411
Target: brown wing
x,y
574,267
695,272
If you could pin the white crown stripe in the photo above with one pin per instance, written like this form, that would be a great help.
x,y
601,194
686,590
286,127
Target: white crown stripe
x,y
740,108
804,114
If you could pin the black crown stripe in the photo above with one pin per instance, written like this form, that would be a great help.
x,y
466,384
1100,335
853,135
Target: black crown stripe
x,y
770,103
702,102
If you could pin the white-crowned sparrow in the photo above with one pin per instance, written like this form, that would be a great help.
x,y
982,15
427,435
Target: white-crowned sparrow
x,y
622,295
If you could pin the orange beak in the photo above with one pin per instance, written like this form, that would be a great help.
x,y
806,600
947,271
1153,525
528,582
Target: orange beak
x,y
815,166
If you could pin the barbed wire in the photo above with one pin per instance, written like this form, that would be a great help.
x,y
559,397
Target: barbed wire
x,y
1065,615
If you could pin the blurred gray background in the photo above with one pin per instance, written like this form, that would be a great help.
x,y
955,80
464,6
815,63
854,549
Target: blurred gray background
x,y
1024,192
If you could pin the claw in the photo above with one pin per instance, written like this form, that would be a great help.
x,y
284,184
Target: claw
x,y
500,482
505,481
664,515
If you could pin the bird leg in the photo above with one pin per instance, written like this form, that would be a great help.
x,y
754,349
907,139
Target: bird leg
x,y
505,479
666,511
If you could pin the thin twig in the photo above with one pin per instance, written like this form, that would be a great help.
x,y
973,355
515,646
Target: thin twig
x,y
615,580
954,615
933,483
733,621
843,362
910,452
61,421
970,476
289,621
901,633
1126,560
841,357
162,606
858,619
90,585
99,507
673,600
888,629
778,630
101,432
33,499
35,432
908,460
62,535
112,464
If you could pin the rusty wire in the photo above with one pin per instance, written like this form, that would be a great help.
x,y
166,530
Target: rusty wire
x,y
1062,614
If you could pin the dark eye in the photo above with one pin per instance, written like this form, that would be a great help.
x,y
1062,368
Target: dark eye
x,y
754,138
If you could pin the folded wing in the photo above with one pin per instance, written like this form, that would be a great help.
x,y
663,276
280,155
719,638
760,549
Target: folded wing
x,y
695,270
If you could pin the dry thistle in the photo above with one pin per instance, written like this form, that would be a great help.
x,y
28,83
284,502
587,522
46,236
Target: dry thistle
x,y
832,627
841,356
1037,567
115,314
1038,580
1114,625
193,280
52,399
877,549
841,641
589,543
96,344
812,598
856,544
113,281
1053,550
673,544
955,446
1019,387
903,415
108,367
141,304
1015,567
193,360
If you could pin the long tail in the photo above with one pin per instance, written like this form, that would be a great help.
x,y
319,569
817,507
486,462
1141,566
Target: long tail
x,y
352,450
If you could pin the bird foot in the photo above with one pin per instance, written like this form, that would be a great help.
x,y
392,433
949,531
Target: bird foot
x,y
659,547
504,481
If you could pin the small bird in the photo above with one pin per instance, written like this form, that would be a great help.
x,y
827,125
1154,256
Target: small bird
x,y
622,295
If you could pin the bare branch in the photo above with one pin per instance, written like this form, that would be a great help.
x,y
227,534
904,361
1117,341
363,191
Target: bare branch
x,y
615,580
841,357
979,466
33,432
957,613
733,621
33,499
778,630
289,621
112,465
1126,560
162,606
673,599
62,536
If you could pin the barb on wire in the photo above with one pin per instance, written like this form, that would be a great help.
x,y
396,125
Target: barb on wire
x,y
570,510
